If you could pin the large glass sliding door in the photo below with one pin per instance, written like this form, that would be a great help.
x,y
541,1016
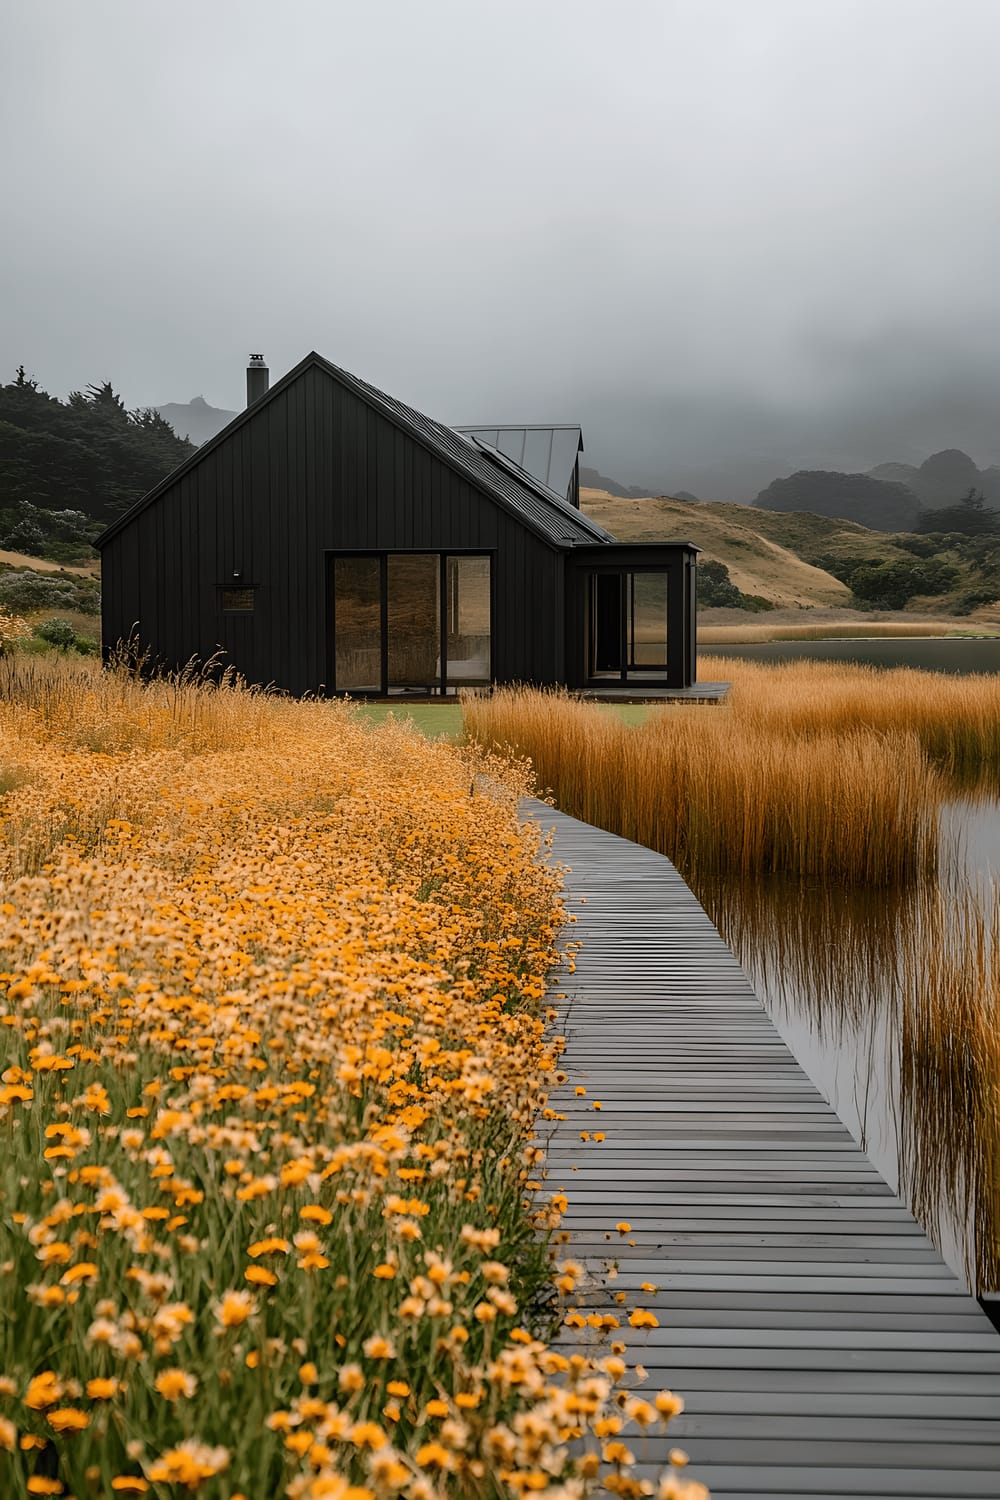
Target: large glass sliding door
x,y
413,592
468,610
357,595
646,637
410,622
626,621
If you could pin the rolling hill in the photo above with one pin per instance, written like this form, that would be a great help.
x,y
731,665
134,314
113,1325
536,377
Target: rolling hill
x,y
759,547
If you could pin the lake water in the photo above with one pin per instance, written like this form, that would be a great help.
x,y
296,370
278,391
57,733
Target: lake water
x,y
929,654
826,962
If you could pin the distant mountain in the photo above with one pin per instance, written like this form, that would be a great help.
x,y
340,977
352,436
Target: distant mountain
x,y
592,480
880,504
196,420
943,478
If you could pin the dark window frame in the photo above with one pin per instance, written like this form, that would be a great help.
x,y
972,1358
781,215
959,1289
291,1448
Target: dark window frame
x,y
679,561
245,589
441,687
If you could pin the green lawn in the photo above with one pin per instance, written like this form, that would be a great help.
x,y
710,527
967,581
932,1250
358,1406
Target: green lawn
x,y
444,720
434,720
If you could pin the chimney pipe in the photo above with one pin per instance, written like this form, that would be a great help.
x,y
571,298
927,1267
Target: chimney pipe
x,y
258,379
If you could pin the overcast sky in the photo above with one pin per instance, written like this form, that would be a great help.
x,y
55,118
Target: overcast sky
x,y
719,233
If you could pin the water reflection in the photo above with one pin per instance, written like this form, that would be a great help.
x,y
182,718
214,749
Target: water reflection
x,y
884,998
825,963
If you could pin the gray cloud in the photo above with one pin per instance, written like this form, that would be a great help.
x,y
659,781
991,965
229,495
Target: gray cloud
x,y
722,235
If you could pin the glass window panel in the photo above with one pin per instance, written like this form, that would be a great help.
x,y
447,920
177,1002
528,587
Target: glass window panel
x,y
238,600
414,584
357,625
468,607
647,624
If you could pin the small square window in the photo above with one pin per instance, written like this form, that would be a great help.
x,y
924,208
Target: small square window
x,y
238,601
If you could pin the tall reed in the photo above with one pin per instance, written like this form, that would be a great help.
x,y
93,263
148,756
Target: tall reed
x,y
950,1140
828,951
722,795
956,719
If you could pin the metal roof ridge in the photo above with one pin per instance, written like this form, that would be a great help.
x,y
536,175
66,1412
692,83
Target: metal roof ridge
x,y
518,427
504,460
393,409
566,513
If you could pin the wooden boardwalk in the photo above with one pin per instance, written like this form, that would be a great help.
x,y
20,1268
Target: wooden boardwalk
x,y
822,1346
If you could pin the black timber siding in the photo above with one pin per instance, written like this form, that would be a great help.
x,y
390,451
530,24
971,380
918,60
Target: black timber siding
x,y
315,470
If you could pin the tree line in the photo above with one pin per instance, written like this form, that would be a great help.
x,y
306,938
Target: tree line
x,y
68,468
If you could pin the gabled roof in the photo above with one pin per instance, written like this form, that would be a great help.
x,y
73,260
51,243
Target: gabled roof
x,y
549,515
546,453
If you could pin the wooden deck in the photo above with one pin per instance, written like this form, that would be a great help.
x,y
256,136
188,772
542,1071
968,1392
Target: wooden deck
x,y
822,1346
701,692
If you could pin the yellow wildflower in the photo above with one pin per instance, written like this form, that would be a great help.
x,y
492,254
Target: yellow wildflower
x,y
173,1384
260,1276
272,1246
316,1214
102,1388
67,1419
378,1346
44,1390
235,1308
189,1463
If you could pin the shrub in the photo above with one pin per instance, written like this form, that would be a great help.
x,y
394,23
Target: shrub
x,y
973,598
23,591
757,604
892,584
57,632
717,590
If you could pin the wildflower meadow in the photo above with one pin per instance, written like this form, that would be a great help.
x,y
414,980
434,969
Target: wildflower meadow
x,y
274,1044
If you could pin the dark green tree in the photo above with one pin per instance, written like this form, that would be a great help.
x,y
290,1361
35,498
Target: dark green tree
x,y
89,454
971,516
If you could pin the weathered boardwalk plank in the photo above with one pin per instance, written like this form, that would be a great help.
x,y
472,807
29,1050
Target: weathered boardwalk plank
x,y
822,1346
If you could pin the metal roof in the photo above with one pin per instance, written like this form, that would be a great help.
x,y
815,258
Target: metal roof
x,y
546,453
547,513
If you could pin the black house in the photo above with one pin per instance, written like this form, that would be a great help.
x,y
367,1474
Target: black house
x,y
331,539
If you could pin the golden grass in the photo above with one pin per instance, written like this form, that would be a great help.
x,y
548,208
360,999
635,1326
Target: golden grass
x,y
829,950
950,1076
955,719
272,1054
42,565
720,793
833,773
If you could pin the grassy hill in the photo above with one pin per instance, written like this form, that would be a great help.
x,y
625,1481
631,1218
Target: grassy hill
x,y
761,548
786,556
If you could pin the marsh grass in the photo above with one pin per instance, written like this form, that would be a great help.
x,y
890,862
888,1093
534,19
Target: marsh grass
x,y
829,951
830,780
955,719
950,1144
720,793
